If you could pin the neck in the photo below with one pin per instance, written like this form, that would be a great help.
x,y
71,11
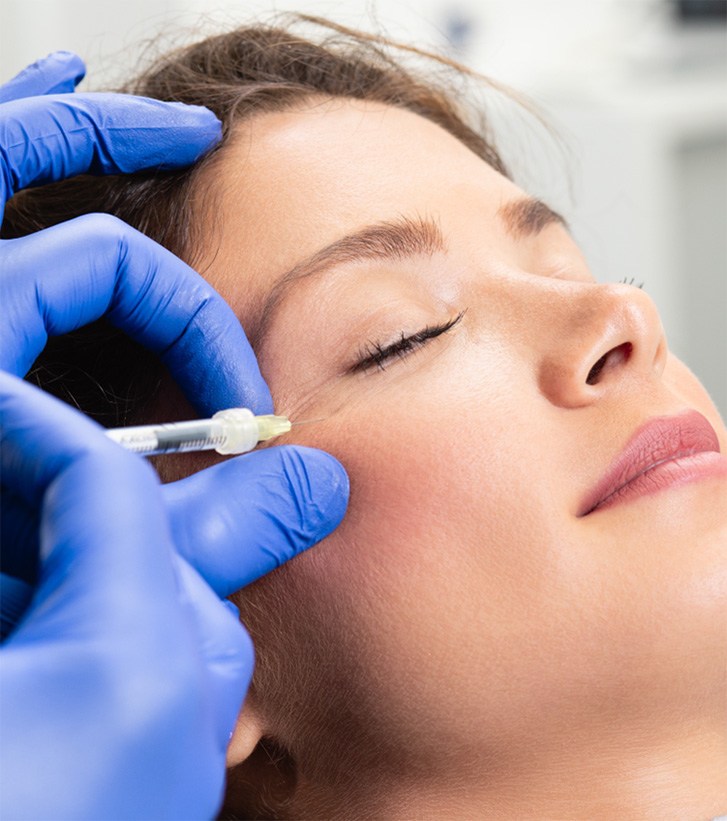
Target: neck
x,y
650,774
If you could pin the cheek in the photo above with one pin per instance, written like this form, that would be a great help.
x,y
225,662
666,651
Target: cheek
x,y
424,567
435,527
431,486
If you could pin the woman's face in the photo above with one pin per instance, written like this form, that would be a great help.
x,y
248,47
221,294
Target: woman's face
x,y
443,328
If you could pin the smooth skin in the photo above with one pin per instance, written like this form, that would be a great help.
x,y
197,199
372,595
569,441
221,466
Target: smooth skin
x,y
465,644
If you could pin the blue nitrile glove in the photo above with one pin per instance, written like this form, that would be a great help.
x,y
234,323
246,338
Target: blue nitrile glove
x,y
255,511
119,688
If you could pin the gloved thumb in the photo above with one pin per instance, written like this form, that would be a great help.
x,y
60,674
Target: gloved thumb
x,y
240,519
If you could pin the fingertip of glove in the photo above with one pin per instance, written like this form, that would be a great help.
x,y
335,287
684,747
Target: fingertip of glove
x,y
62,55
202,116
68,62
200,128
57,73
323,484
338,487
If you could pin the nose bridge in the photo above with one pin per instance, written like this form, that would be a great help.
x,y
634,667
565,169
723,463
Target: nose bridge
x,y
599,335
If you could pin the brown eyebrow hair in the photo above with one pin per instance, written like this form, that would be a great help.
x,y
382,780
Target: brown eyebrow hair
x,y
394,240
528,217
397,240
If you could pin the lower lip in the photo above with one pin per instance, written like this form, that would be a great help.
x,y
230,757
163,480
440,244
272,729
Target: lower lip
x,y
670,474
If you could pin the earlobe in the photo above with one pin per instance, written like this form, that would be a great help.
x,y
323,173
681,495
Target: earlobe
x,y
248,731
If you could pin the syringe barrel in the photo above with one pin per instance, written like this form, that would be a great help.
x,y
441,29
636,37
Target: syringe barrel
x,y
235,430
175,437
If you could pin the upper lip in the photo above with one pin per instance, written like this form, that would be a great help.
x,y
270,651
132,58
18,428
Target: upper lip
x,y
659,440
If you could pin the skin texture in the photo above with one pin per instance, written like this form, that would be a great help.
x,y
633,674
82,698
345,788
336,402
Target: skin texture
x,y
464,643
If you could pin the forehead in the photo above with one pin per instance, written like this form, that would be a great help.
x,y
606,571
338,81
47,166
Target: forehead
x,y
294,181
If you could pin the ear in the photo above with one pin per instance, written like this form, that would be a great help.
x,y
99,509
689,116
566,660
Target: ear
x,y
248,731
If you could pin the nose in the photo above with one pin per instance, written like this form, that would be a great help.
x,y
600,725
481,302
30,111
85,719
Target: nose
x,y
602,336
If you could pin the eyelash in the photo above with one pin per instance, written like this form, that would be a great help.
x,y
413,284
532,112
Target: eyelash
x,y
376,355
630,281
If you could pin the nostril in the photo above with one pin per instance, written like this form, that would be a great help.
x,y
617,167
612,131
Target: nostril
x,y
613,357
593,374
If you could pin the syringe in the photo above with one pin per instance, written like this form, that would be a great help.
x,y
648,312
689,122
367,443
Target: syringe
x,y
235,430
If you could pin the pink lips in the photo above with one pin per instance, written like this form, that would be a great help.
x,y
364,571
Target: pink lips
x,y
664,452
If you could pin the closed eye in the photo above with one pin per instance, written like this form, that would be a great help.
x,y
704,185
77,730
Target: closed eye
x,y
379,356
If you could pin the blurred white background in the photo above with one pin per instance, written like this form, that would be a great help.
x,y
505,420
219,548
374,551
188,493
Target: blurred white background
x,y
637,89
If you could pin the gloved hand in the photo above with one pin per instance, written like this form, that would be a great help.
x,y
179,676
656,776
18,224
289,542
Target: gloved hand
x,y
80,663
122,683
56,280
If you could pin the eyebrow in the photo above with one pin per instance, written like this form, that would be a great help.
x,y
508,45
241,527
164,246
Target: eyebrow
x,y
397,240
528,217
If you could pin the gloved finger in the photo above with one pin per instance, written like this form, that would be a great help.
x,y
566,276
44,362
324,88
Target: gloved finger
x,y
242,518
95,576
60,135
58,73
225,646
66,276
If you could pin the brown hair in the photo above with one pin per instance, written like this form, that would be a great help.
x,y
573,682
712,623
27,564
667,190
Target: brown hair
x,y
237,75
